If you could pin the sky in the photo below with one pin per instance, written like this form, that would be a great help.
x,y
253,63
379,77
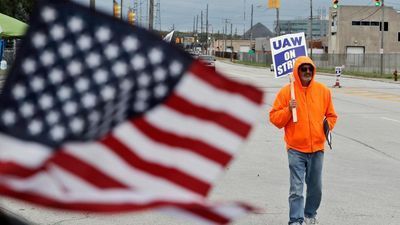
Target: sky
x,y
180,14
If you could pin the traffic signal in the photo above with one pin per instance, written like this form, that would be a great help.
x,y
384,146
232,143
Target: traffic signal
x,y
378,3
335,4
117,9
131,17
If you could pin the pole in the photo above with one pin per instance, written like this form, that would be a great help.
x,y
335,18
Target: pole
x,y
382,29
92,4
277,29
231,44
122,2
151,14
311,33
207,44
251,27
292,96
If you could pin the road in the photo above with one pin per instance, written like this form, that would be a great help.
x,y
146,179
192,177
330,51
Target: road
x,y
361,173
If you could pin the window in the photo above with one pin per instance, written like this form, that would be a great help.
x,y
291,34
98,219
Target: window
x,y
365,23
374,23
355,23
385,26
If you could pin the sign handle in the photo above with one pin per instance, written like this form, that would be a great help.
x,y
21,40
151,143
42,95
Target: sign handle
x,y
292,96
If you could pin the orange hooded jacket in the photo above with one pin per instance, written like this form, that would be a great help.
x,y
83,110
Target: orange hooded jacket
x,y
314,103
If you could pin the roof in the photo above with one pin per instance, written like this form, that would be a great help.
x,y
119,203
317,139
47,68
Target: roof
x,y
11,27
259,30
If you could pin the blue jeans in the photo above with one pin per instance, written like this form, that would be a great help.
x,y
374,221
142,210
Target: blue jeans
x,y
304,167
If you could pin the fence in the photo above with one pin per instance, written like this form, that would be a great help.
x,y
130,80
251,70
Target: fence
x,y
364,63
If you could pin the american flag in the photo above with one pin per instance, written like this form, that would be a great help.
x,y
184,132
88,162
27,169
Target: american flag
x,y
97,115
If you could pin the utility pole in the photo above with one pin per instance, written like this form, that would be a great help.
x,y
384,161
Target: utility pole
x,y
251,27
277,29
92,4
231,44
151,14
382,29
311,33
207,44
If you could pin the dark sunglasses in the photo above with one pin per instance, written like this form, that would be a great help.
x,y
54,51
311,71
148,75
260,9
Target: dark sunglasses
x,y
306,68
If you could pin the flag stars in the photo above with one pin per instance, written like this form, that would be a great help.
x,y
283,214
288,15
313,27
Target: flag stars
x,y
37,84
144,80
70,108
19,91
140,106
48,14
108,93
46,101
100,76
77,125
89,100
103,34
39,40
57,133
142,94
160,91
175,68
84,42
138,62
29,66
74,68
82,84
130,43
66,50
160,74
35,127
156,56
64,93
56,76
52,117
27,109
111,51
120,69
57,32
93,60
47,58
8,117
75,24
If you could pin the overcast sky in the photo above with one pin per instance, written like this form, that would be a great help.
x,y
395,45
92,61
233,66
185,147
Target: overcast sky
x,y
181,13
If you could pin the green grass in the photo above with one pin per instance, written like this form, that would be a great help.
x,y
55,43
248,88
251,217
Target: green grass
x,y
251,63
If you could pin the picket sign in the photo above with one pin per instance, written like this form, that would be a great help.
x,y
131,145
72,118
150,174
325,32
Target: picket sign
x,y
285,49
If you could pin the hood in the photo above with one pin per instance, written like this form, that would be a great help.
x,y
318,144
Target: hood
x,y
299,61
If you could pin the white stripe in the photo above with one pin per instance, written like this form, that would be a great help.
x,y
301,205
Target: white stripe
x,y
187,126
25,153
201,93
54,189
102,158
159,153
390,119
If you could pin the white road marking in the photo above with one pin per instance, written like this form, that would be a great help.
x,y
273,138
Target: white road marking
x,y
385,118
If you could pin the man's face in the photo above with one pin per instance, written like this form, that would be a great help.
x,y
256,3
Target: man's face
x,y
306,73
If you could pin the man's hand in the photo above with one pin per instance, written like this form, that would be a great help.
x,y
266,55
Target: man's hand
x,y
292,104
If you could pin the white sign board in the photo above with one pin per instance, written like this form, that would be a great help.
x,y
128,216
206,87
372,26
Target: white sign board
x,y
285,49
338,71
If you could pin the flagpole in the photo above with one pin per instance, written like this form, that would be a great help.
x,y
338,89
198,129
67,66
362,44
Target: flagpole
x,y
293,97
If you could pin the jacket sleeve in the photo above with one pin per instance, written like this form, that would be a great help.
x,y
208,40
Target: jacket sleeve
x,y
330,113
280,114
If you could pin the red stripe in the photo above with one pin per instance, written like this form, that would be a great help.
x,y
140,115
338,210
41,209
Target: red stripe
x,y
225,120
206,212
171,174
184,143
17,170
85,171
217,80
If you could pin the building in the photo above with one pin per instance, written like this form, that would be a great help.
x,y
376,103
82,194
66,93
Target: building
x,y
357,30
320,27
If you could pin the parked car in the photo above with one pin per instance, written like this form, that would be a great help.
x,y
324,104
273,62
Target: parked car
x,y
208,60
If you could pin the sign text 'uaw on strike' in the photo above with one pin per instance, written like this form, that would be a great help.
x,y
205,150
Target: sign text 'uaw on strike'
x,y
285,49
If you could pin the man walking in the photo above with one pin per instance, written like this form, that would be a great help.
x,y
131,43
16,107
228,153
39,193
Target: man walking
x,y
305,139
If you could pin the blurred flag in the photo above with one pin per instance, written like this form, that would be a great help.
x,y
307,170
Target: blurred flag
x,y
97,115
168,37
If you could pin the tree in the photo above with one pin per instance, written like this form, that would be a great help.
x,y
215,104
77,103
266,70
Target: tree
x,y
20,9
